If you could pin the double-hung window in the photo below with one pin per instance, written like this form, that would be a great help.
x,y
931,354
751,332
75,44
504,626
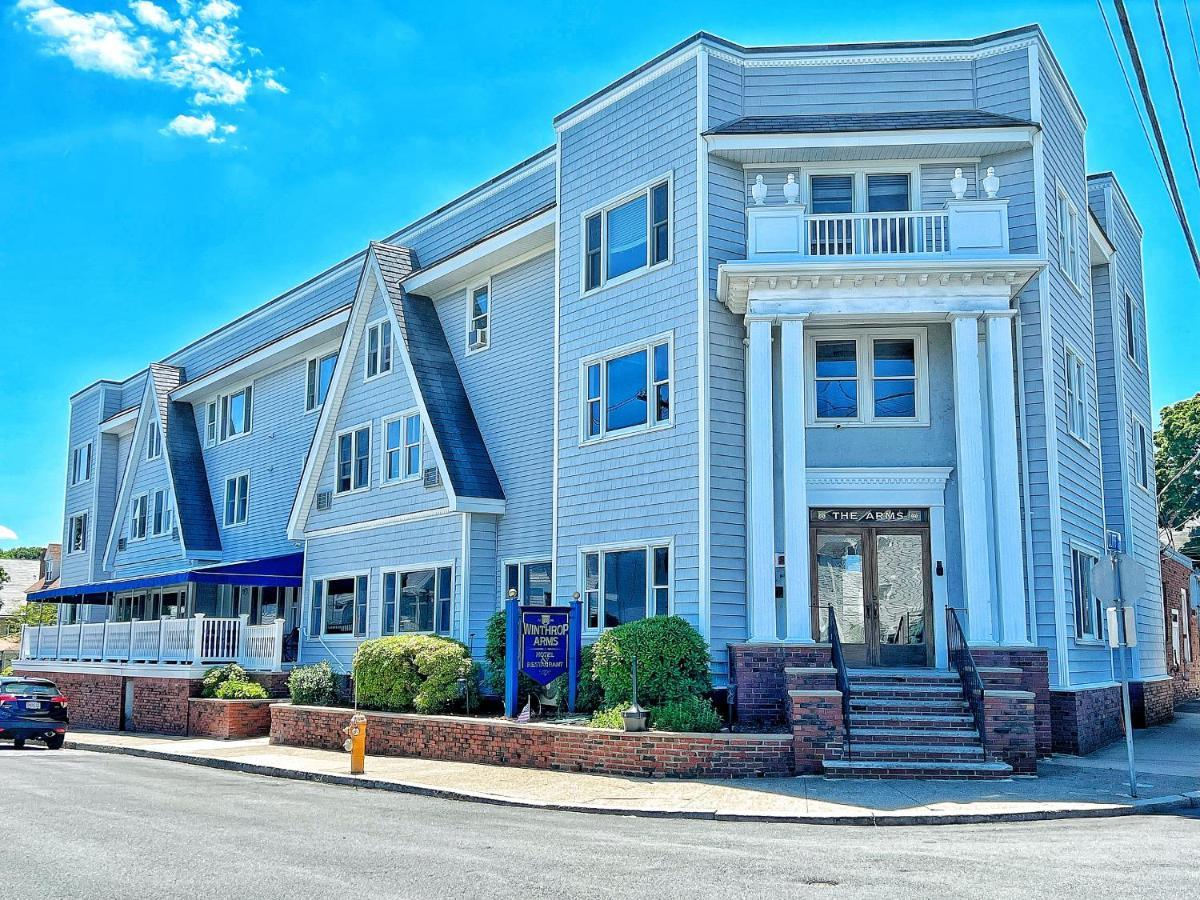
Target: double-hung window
x,y
628,390
153,441
137,518
339,607
629,235
236,413
317,380
163,516
401,448
626,584
1076,375
210,423
354,460
77,534
1131,341
1068,238
81,464
478,327
237,499
1141,455
532,580
417,601
870,377
379,349
1089,610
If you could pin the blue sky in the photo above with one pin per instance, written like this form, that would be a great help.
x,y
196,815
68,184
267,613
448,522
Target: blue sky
x,y
165,168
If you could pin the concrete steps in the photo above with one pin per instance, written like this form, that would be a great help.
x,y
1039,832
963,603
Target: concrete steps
x,y
897,768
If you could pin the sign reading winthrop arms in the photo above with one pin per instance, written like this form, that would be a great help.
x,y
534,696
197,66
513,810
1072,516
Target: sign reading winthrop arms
x,y
545,642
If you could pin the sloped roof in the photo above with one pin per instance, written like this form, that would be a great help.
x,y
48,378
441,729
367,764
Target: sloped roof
x,y
830,123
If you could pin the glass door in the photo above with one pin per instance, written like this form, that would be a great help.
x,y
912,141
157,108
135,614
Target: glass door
x,y
900,596
839,570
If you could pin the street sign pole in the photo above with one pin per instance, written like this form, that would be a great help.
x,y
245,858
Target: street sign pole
x,y
1119,638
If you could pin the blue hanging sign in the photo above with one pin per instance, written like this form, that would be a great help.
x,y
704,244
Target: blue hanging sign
x,y
545,642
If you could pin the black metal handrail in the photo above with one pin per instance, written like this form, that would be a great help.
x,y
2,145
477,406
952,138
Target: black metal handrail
x,y
842,675
959,653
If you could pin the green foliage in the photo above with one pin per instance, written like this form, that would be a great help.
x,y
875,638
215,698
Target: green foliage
x,y
672,662
7,670
588,695
608,718
411,672
313,685
1176,466
23,553
4,576
494,655
687,714
219,675
240,690
33,614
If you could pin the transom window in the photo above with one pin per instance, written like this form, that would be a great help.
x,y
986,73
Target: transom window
x,y
319,377
478,330
354,460
1068,238
1089,610
627,584
627,391
417,601
163,516
1076,374
237,499
379,349
627,236
868,377
81,464
153,441
137,518
77,535
532,580
235,415
339,607
402,448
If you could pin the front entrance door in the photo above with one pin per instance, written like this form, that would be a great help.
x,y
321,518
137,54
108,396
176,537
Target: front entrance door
x,y
872,567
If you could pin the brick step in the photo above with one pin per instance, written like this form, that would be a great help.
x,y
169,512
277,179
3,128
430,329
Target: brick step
x,y
840,768
906,691
905,735
902,676
861,719
1001,677
919,707
914,752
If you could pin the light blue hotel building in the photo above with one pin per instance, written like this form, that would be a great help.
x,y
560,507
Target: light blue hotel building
x,y
765,330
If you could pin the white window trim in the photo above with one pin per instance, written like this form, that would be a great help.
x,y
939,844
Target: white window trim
x,y
337,438
225,499
221,405
603,358
380,373
864,350
144,497
212,427
603,210
152,441
1145,446
1097,557
417,567
470,317
87,532
400,417
168,516
1075,279
306,611
1082,389
309,360
521,562
647,545
1131,306
858,199
89,461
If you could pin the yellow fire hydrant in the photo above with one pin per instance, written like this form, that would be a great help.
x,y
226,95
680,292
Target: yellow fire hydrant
x,y
356,742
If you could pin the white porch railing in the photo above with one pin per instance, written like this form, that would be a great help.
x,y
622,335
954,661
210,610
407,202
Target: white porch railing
x,y
877,234
201,640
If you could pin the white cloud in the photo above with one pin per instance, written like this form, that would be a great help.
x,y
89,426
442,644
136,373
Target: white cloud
x,y
204,126
198,51
7,534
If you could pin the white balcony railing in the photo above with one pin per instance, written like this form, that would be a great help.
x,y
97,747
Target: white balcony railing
x,y
199,641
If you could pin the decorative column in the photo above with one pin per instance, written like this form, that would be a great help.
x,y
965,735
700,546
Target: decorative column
x,y
1006,500
762,485
795,483
972,503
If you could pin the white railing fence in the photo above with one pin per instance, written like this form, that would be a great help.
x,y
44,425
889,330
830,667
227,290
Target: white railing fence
x,y
877,234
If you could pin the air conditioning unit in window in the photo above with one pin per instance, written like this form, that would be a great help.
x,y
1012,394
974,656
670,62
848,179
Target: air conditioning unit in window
x,y
324,500
432,477
175,533
120,543
479,337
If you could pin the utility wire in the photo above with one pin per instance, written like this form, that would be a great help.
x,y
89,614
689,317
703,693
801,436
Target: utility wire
x,y
1192,34
1173,188
1187,131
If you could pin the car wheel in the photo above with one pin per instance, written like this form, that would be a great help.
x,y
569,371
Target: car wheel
x,y
18,743
55,742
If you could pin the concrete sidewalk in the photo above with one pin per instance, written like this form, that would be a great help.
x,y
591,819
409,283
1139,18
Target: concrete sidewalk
x,y
1067,787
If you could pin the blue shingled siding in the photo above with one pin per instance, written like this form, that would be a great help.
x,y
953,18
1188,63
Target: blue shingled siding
x,y
1002,83
86,413
859,87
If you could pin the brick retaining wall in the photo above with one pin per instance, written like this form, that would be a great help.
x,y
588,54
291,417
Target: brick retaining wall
x,y
1083,721
160,705
559,747
818,728
1151,702
758,683
93,701
227,719
1010,730
1035,678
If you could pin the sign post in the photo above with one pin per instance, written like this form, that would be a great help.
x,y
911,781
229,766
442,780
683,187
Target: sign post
x,y
1119,584
512,658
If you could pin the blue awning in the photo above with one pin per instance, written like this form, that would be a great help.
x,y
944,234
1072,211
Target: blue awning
x,y
273,571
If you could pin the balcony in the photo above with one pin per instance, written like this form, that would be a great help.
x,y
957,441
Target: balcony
x,y
200,641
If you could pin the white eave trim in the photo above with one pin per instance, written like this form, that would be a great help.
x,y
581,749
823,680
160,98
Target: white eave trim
x,y
122,423
1018,134
1100,248
478,505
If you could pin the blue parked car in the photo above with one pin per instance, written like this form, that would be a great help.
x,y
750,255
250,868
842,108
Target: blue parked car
x,y
32,709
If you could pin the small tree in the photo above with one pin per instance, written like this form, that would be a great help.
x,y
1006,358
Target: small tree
x,y
36,614
1177,464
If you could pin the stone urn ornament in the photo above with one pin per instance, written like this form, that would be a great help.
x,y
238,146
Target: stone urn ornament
x,y
759,191
791,190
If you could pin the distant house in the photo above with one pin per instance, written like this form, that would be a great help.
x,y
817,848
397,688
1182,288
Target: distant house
x,y
22,576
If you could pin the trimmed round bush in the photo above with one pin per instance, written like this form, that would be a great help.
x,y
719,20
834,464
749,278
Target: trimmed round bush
x,y
313,685
608,718
672,662
411,672
219,675
687,714
240,690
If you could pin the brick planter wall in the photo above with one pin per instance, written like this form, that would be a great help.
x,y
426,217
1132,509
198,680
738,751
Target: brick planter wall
x,y
93,701
160,705
275,683
226,719
1035,678
1010,730
818,729
758,684
560,747
1151,702
1083,721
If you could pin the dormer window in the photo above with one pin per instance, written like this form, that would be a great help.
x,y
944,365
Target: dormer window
x,y
379,349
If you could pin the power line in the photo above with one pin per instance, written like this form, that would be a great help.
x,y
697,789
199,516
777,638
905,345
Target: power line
x,y
1192,34
1172,186
1187,131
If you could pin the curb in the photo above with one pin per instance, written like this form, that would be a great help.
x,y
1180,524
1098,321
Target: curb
x,y
1149,806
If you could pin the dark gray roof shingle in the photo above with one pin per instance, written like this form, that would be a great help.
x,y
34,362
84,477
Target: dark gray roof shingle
x,y
830,123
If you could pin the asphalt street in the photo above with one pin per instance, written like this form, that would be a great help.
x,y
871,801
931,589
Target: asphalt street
x,y
82,824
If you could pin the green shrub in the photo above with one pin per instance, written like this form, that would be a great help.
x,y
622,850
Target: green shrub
x,y
240,690
494,655
588,695
313,685
7,670
411,672
688,714
672,662
219,675
608,718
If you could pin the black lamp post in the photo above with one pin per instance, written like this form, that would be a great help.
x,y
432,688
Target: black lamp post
x,y
635,717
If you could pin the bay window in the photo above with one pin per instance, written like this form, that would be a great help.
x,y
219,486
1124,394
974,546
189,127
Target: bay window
x,y
628,235
627,390
625,584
